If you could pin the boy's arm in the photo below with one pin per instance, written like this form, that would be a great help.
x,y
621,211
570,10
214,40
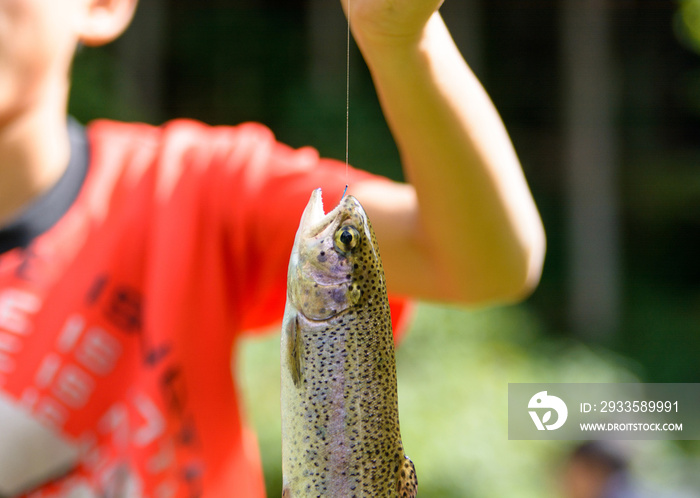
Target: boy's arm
x,y
466,229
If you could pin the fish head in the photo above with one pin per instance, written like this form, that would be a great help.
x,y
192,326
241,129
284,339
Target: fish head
x,y
331,255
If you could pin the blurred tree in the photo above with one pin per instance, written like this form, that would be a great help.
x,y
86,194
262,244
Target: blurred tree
x,y
687,23
465,19
591,166
141,54
326,48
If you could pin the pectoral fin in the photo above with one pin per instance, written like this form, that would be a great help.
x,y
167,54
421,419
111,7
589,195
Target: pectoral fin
x,y
407,481
295,348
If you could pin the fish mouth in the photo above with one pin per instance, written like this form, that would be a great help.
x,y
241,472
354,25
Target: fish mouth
x,y
314,220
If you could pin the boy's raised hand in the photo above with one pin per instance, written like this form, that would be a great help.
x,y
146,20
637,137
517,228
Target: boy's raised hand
x,y
389,21
466,229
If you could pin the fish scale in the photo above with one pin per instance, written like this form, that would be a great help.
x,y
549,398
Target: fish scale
x,y
340,427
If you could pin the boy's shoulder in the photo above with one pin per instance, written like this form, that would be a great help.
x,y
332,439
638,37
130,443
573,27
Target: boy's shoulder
x,y
211,163
187,140
183,131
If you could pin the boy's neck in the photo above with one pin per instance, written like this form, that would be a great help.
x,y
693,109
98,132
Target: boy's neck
x,y
34,153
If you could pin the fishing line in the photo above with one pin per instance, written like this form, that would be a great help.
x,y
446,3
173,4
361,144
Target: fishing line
x,y
347,101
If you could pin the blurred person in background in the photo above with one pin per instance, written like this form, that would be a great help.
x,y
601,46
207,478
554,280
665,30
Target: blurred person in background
x,y
133,257
601,469
597,469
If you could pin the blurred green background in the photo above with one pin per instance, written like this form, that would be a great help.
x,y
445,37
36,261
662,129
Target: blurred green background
x,y
602,100
454,368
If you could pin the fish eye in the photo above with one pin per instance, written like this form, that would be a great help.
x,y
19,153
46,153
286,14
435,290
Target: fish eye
x,y
347,238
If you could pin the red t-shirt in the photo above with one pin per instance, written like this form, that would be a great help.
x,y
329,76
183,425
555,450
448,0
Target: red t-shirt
x,y
117,323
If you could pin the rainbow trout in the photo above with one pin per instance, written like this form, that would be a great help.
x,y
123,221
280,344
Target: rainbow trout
x,y
340,419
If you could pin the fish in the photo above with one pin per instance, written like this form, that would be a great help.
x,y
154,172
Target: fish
x,y
340,419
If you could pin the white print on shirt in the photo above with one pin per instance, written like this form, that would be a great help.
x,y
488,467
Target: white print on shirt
x,y
98,351
116,421
162,460
154,422
71,384
16,308
123,430
73,387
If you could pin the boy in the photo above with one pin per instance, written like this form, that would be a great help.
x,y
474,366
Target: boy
x,y
132,258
